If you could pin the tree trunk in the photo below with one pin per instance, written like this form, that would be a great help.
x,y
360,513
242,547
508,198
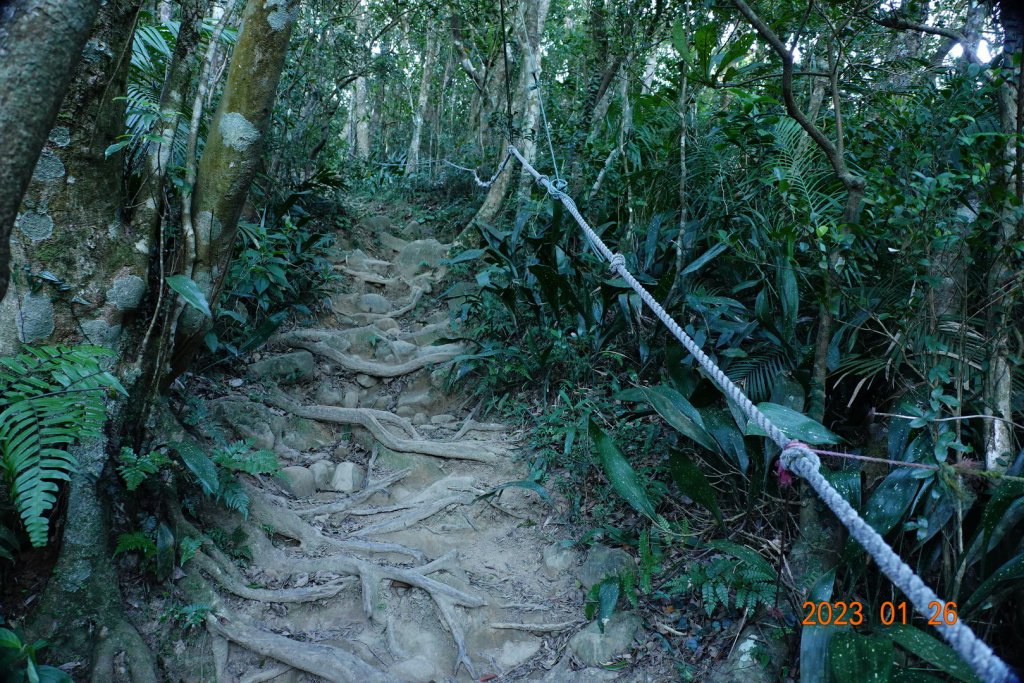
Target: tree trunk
x,y
40,41
419,116
72,223
361,116
999,441
234,149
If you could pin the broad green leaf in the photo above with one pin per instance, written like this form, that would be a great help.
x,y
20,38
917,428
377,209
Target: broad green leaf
x,y
164,552
847,482
705,258
814,640
607,598
679,41
522,484
622,476
794,425
692,482
908,676
931,650
863,659
468,255
890,500
199,464
190,292
680,415
722,427
114,148
1011,571
51,674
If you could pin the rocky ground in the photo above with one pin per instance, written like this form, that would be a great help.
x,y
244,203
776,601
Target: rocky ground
x,y
377,555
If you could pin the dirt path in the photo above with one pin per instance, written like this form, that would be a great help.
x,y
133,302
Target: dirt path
x,y
375,559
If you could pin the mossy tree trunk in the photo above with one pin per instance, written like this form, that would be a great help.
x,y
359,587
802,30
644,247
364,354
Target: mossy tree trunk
x,y
79,267
234,149
40,42
80,276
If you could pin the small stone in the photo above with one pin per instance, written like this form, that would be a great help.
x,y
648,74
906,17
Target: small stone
x,y
236,382
419,419
327,395
340,452
374,303
602,562
594,648
299,481
322,471
558,557
405,411
442,419
351,399
385,324
412,230
288,367
348,477
366,381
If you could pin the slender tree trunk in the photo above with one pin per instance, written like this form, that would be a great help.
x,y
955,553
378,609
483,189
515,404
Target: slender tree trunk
x,y
531,32
361,115
40,41
430,53
234,149
999,441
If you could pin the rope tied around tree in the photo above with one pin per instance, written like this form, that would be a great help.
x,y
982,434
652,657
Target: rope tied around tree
x,y
797,458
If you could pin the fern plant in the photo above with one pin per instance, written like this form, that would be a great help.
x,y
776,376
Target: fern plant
x,y
135,469
51,397
740,572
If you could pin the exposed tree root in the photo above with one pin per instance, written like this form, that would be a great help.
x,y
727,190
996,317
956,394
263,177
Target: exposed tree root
x,y
418,514
345,504
267,674
332,663
479,451
288,523
276,560
123,638
365,276
314,342
536,628
284,595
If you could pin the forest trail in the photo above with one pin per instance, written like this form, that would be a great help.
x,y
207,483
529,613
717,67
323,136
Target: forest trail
x,y
383,553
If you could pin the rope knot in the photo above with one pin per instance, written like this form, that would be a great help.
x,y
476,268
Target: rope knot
x,y
617,261
799,458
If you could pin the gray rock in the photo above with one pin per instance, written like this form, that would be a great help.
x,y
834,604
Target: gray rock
x,y
348,477
341,452
385,324
351,399
322,471
288,367
602,562
299,481
366,381
419,419
415,256
327,395
558,558
412,230
594,648
442,419
405,411
235,382
305,435
374,303
249,421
